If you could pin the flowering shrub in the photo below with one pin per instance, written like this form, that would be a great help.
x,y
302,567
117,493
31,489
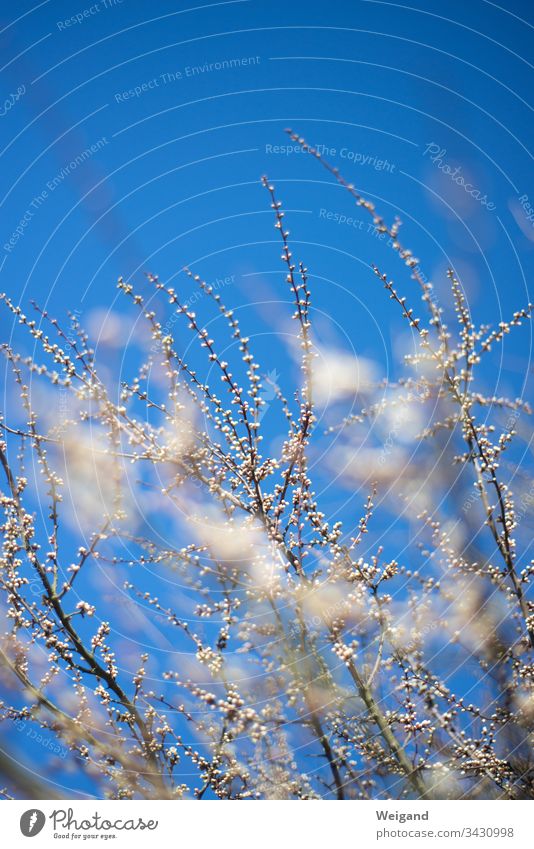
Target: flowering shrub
x,y
302,658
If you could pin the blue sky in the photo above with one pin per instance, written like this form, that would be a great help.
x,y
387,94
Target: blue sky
x,y
134,135
135,142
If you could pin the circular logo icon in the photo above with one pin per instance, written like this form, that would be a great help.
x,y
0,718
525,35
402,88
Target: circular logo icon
x,y
32,822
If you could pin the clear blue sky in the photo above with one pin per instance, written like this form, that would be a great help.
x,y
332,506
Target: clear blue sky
x,y
133,137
